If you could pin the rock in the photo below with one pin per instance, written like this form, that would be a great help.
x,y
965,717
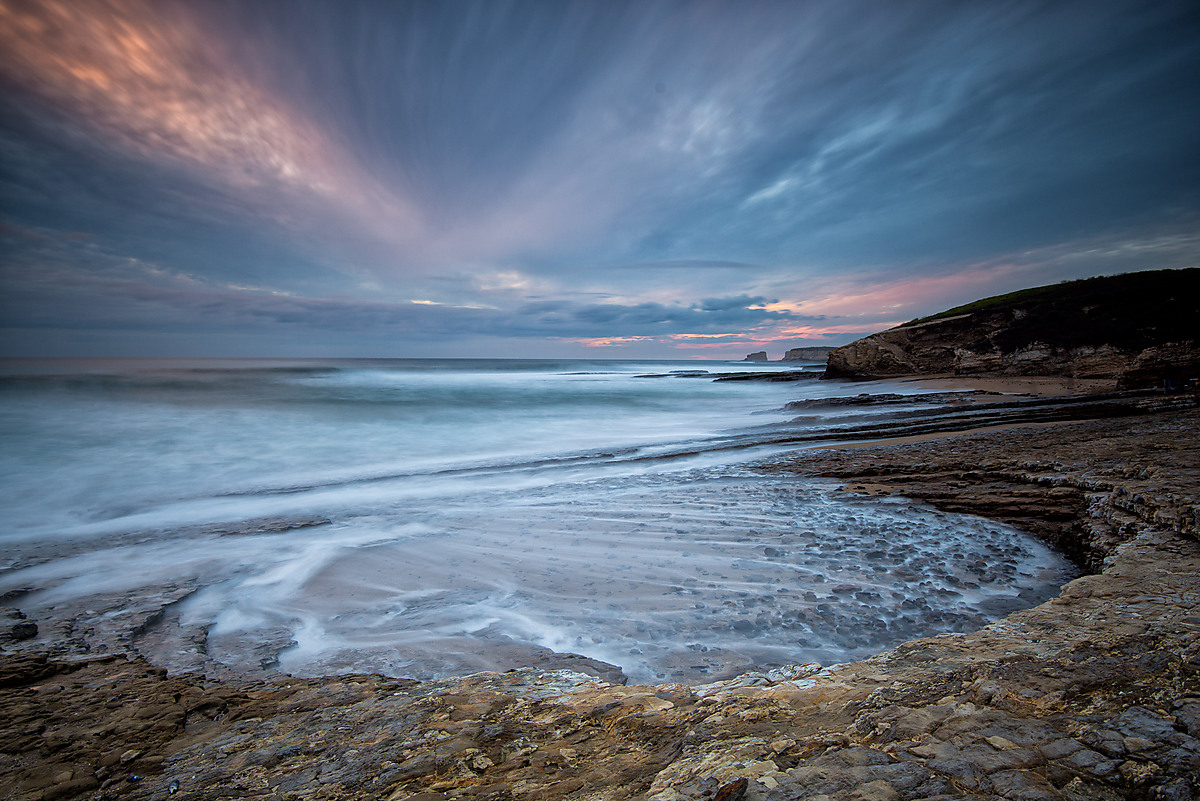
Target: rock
x,y
1133,329
1178,790
818,354
21,669
773,376
878,790
14,627
757,356
1172,362
732,791
861,399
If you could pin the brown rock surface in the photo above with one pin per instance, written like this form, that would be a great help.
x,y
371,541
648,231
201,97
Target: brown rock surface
x,y
816,354
1094,694
1135,329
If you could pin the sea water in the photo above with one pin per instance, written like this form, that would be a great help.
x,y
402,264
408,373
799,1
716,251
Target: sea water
x,y
427,518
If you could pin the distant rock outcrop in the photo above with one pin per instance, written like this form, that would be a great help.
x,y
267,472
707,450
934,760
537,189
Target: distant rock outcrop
x,y
759,356
806,355
1138,328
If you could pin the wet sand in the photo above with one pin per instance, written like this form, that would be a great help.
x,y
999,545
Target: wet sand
x,y
1036,386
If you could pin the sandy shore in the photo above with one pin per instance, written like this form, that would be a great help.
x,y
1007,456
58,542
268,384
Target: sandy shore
x,y
1037,386
1094,694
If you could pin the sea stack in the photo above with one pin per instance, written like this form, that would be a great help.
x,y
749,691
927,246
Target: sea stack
x,y
758,356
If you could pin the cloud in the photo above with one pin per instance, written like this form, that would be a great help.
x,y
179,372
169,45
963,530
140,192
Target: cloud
x,y
149,81
619,172
71,282
734,303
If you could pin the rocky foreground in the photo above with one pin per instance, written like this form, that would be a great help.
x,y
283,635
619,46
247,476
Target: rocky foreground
x,y
1092,695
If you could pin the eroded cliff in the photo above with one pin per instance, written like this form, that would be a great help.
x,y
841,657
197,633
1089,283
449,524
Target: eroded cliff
x,y
1136,329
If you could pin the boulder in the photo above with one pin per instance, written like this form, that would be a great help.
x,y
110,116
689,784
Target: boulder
x,y
14,626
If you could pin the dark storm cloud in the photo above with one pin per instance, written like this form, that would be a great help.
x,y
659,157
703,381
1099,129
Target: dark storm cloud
x,y
583,170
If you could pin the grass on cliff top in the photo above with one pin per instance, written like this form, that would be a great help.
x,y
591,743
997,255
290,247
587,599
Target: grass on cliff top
x,y
1128,289
1010,299
1130,312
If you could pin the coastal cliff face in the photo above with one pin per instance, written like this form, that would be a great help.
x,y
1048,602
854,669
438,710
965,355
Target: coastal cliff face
x,y
817,354
1135,329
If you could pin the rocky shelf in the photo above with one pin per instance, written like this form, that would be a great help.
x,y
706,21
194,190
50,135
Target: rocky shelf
x,y
1092,695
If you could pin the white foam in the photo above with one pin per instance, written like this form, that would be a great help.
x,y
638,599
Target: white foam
x,y
681,569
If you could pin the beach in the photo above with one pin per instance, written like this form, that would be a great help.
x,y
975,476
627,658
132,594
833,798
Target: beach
x,y
1091,692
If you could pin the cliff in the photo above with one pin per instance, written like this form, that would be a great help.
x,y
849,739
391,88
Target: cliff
x,y
1137,329
806,355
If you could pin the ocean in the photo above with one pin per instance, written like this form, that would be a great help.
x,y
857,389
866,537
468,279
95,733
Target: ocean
x,y
427,518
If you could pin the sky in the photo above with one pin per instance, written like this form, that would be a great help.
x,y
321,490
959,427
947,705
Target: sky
x,y
553,179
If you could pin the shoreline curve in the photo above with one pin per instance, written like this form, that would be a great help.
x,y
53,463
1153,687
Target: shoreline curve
x,y
1093,694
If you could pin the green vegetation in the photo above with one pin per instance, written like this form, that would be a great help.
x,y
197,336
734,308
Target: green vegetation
x,y
1129,311
1021,297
